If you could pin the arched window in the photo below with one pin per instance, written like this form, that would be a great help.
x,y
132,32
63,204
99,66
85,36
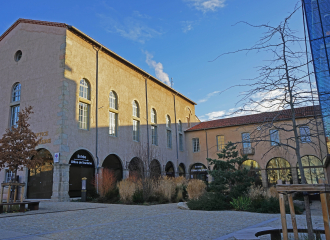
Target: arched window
x,y
254,170
16,94
154,133
113,114
180,136
113,100
84,104
84,89
136,110
278,168
168,131
14,109
313,169
199,171
136,121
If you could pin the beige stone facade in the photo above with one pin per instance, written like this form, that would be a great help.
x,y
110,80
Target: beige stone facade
x,y
55,58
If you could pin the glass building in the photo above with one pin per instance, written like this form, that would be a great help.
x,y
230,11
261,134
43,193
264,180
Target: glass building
x,y
317,14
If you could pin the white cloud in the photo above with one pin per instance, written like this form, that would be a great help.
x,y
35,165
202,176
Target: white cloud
x,y
207,5
187,26
160,74
130,28
215,115
140,15
208,96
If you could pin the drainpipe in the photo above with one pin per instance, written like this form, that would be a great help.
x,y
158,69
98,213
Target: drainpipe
x,y
96,119
176,135
148,143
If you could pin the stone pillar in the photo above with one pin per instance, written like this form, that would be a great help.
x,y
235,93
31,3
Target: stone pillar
x,y
125,173
264,178
294,175
61,183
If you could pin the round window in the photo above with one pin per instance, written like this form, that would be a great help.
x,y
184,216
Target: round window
x,y
18,55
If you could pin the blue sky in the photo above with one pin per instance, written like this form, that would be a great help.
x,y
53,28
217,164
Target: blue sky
x,y
172,39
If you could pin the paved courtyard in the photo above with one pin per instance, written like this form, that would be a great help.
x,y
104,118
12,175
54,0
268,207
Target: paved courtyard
x,y
75,220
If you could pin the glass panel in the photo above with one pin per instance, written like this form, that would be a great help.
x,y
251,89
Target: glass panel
x,y
169,138
16,95
220,142
181,141
14,115
113,100
84,89
136,109
274,137
250,165
113,124
136,130
278,168
154,135
83,115
304,134
168,121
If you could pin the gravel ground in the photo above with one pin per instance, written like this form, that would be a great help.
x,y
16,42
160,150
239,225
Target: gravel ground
x,y
75,220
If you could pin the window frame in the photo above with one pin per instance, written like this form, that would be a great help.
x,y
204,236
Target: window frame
x,y
196,145
221,145
83,125
273,142
136,130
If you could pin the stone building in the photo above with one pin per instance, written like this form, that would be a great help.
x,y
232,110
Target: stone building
x,y
93,110
265,138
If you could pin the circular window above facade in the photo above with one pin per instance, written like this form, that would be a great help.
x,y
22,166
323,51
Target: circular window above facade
x,y
18,55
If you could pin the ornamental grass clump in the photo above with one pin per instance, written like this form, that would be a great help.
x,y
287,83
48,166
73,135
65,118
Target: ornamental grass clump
x,y
166,188
196,188
127,188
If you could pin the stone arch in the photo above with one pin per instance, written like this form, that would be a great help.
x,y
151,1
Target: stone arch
x,y
40,179
155,169
198,171
81,165
169,169
313,169
113,163
182,170
278,168
136,167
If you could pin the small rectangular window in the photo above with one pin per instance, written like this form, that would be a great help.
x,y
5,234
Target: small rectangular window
x,y
113,120
154,135
246,143
305,134
195,144
136,130
220,142
181,141
274,137
83,115
169,138
14,115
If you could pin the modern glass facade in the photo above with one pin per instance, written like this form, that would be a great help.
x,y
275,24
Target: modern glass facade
x,y
317,14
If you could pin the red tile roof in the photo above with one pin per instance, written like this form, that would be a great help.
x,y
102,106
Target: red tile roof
x,y
21,20
301,112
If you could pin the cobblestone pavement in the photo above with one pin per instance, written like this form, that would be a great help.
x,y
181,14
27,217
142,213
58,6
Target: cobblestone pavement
x,y
75,220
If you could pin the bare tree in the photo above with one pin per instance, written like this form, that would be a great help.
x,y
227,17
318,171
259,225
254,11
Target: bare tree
x,y
18,145
283,85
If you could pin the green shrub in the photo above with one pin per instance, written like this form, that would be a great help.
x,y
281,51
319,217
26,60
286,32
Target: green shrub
x,y
138,196
241,203
270,205
112,196
209,202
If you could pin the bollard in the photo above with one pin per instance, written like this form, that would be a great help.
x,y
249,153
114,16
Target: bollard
x,y
83,189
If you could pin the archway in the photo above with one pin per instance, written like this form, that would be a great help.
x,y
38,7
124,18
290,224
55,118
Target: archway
x,y
198,171
40,179
136,168
313,169
278,168
182,170
113,163
169,169
254,170
82,165
155,169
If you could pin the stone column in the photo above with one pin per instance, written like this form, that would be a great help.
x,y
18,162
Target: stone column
x,y
264,178
294,175
61,183
125,173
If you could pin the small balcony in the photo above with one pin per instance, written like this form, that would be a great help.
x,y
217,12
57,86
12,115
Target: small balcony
x,y
247,151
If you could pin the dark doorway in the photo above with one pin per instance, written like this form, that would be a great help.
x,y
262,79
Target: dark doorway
x,y
169,169
182,171
155,169
136,168
113,163
82,165
40,179
199,171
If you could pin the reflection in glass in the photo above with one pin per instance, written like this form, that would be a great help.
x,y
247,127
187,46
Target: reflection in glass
x,y
278,168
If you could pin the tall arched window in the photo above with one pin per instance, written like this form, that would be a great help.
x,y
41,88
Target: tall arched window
x,y
113,114
254,170
136,121
154,134
15,104
180,136
278,168
84,104
313,169
168,131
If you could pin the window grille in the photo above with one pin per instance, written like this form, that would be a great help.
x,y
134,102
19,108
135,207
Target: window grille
x,y
83,115
195,144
